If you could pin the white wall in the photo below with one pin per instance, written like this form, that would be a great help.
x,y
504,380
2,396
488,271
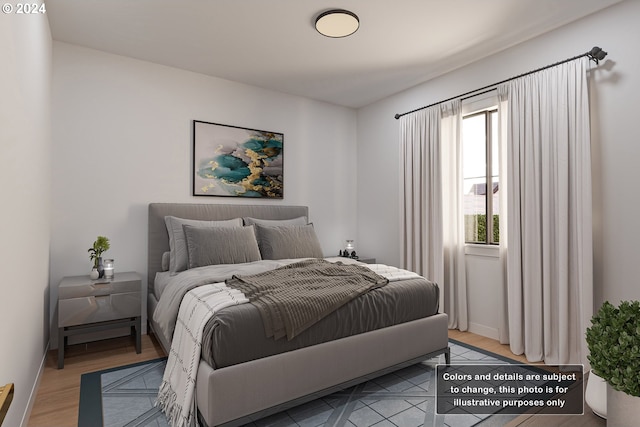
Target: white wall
x,y
122,139
614,92
25,156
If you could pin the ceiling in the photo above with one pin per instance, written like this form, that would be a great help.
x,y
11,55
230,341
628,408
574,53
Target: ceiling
x,y
273,43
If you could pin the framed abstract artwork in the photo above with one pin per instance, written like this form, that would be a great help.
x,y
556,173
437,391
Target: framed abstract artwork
x,y
237,162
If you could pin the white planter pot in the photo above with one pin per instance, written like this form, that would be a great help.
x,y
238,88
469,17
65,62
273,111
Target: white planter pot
x,y
623,410
596,395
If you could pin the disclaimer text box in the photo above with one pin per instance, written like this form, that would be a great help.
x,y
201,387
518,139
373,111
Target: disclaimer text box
x,y
509,389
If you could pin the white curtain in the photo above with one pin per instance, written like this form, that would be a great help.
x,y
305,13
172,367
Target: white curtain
x,y
503,298
548,225
432,228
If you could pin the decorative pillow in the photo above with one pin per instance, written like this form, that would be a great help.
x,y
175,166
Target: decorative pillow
x,y
296,241
301,220
220,245
177,244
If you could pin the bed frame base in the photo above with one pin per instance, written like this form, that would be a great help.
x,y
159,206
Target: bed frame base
x,y
305,399
245,392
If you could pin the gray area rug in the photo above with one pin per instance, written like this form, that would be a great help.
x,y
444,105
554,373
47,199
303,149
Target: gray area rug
x,y
405,398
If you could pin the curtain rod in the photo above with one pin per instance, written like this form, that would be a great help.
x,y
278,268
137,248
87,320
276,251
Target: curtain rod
x,y
596,54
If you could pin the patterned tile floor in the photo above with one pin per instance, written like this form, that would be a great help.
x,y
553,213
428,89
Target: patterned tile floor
x,y
404,398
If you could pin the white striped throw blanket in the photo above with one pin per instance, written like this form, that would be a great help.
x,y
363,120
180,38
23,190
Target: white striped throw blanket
x,y
393,274
176,397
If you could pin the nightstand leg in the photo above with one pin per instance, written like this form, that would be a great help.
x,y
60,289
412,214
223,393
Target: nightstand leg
x,y
61,342
139,334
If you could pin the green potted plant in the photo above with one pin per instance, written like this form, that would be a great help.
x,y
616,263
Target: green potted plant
x,y
100,246
614,347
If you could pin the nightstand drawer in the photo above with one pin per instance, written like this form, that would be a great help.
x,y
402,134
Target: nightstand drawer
x,y
98,308
80,286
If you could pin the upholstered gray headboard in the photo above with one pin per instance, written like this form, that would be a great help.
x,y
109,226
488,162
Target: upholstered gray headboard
x,y
158,238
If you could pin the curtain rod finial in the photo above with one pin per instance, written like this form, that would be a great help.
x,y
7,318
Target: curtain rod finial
x,y
596,54
397,116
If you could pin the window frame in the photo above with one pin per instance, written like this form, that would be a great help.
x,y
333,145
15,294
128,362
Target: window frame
x,y
488,113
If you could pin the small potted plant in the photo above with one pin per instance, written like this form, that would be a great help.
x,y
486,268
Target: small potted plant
x,y
100,246
614,347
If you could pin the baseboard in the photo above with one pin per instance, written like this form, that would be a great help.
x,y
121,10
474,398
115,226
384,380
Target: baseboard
x,y
483,330
34,390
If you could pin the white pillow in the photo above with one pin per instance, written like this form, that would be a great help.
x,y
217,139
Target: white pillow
x,y
177,242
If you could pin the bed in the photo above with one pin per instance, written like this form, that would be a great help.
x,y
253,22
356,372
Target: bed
x,y
272,380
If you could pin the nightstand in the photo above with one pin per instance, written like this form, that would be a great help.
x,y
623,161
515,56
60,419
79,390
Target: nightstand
x,y
367,260
86,305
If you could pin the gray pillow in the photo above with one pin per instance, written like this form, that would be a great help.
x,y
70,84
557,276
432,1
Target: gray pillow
x,y
301,220
177,244
220,245
296,241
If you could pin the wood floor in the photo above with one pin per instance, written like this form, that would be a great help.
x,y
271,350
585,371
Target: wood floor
x,y
58,396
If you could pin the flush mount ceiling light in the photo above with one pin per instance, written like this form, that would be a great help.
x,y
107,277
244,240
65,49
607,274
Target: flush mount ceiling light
x,y
337,23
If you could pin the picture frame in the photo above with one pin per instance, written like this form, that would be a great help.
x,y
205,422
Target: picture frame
x,y
233,161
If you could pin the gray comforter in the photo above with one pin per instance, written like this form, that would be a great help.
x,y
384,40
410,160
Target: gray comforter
x,y
236,334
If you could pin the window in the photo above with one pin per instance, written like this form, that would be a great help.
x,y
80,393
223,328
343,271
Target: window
x,y
480,175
